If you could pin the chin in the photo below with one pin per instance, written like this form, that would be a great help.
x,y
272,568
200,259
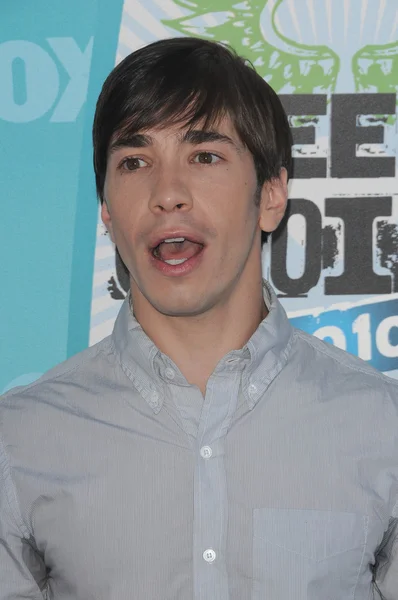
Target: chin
x,y
178,309
174,299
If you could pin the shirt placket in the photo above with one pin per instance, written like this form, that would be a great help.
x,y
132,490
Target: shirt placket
x,y
210,489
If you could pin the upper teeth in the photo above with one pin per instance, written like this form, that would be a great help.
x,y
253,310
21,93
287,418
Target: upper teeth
x,y
169,240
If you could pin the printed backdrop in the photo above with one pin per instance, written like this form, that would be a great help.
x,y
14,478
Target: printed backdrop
x,y
334,263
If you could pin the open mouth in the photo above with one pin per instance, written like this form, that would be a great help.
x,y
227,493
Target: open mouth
x,y
176,251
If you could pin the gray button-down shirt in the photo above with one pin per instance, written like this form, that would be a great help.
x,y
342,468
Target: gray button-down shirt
x,y
118,480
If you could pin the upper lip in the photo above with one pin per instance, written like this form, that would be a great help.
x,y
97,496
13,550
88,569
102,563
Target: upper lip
x,y
159,237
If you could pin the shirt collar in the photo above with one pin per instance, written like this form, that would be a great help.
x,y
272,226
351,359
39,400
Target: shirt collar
x,y
260,360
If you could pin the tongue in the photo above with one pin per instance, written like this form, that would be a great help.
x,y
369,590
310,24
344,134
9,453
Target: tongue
x,y
178,250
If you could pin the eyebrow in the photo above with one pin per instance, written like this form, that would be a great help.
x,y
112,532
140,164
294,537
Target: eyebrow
x,y
135,140
200,136
192,136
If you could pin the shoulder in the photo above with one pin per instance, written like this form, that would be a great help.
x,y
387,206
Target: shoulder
x,y
78,369
58,407
326,360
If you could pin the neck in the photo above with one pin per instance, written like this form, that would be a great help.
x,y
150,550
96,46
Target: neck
x,y
197,343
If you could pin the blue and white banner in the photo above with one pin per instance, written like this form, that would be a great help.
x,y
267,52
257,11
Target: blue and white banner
x,y
334,263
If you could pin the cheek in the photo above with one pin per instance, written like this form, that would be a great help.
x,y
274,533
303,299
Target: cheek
x,y
125,209
238,210
119,187
122,228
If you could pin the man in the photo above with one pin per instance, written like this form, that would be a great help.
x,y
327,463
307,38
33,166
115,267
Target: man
x,y
206,449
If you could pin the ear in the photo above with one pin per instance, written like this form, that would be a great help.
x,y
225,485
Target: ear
x,y
107,219
273,201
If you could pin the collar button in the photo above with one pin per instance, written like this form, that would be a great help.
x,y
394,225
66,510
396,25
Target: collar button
x,y
252,389
169,373
154,400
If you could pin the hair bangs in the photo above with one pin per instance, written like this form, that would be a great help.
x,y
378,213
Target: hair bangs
x,y
186,104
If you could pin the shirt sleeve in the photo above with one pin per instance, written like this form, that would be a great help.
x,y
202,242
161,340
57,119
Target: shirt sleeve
x,y
22,571
386,567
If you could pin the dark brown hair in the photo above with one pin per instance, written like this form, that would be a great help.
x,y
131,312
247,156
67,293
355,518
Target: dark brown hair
x,y
191,81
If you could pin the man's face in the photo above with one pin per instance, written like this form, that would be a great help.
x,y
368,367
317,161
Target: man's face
x,y
180,207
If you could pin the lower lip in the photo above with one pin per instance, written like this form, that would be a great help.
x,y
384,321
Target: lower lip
x,y
178,270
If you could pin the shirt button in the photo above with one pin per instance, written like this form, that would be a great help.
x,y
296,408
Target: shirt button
x,y
209,555
154,399
206,452
252,389
169,373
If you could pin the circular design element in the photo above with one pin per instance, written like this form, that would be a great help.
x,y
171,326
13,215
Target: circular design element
x,y
169,373
209,555
206,452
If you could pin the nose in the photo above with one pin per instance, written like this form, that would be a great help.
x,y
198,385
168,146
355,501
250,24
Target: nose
x,y
170,192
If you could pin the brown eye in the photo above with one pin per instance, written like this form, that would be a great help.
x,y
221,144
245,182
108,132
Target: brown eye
x,y
206,158
132,163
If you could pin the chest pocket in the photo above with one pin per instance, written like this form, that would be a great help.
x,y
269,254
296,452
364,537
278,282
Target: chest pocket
x,y
307,554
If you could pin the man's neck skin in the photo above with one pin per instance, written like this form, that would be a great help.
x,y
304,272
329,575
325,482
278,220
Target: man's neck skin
x,y
197,343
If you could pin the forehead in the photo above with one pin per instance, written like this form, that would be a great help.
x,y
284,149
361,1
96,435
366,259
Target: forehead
x,y
180,132
221,124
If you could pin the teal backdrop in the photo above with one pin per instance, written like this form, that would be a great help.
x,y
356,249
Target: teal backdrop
x,y
54,57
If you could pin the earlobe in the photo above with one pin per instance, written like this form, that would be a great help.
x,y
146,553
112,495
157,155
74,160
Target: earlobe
x,y
106,219
273,203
